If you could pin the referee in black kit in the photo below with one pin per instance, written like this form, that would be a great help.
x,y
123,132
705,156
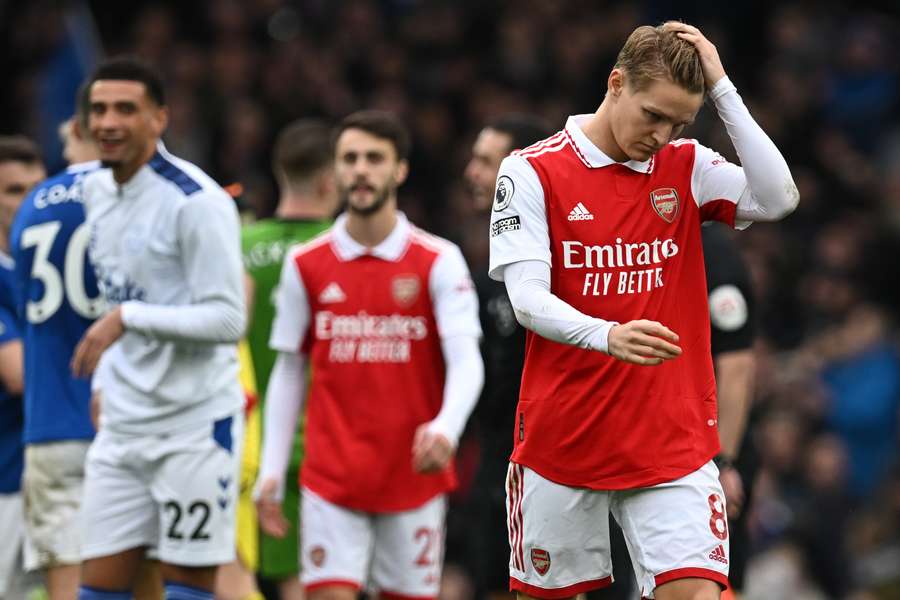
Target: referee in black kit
x,y
732,313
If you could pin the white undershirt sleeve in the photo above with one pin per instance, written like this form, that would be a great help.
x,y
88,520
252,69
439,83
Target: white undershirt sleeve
x,y
767,189
292,312
462,385
284,400
456,313
209,236
537,309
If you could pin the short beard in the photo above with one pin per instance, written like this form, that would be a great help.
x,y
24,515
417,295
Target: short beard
x,y
381,199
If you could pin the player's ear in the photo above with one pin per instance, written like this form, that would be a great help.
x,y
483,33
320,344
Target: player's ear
x,y
616,82
160,120
326,183
76,130
401,171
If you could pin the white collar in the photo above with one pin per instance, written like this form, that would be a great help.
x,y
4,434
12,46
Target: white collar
x,y
392,248
591,155
83,166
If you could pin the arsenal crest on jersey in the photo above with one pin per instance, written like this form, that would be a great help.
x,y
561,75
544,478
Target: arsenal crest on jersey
x,y
405,289
665,203
317,555
541,560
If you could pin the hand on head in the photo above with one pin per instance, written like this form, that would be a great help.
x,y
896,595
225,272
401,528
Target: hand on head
x,y
710,62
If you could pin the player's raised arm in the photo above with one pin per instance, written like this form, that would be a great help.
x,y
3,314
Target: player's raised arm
x,y
769,193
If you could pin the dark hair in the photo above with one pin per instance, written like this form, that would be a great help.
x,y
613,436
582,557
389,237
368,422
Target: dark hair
x,y
524,129
131,68
302,149
381,124
18,148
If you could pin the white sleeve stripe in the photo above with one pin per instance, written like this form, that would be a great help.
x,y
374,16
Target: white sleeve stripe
x,y
301,249
552,140
556,147
429,241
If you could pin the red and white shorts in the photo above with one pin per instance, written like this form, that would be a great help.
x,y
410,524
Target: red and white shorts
x,y
559,535
398,555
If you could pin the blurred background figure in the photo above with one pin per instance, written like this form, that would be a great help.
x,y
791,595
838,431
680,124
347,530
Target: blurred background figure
x,y
477,536
732,315
21,168
303,165
58,301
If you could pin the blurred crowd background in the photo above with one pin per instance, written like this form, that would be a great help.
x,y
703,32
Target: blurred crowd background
x,y
820,77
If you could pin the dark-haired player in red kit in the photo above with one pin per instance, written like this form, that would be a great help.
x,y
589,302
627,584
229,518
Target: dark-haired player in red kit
x,y
387,318
596,233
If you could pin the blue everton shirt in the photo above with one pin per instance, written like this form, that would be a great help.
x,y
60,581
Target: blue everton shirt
x,y
11,454
57,300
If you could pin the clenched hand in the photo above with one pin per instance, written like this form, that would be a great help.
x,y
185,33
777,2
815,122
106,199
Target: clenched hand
x,y
95,341
643,342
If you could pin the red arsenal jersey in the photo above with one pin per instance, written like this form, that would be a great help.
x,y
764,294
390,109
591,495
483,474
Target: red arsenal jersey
x,y
623,241
371,321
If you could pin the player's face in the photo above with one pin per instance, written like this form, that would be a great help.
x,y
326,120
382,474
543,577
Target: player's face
x,y
489,150
367,170
125,123
16,179
646,120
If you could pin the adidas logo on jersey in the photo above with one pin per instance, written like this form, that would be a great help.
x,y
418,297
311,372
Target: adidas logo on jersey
x,y
580,213
719,554
332,293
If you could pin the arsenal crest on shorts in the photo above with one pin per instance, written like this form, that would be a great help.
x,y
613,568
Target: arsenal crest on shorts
x,y
405,289
541,560
317,555
665,203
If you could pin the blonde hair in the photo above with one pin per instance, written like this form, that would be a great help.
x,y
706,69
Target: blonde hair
x,y
653,53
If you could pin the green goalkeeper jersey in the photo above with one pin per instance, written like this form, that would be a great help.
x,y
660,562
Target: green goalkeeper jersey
x,y
264,245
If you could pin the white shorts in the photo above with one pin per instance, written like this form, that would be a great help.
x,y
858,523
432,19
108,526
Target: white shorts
x,y
52,485
13,536
559,536
175,493
398,555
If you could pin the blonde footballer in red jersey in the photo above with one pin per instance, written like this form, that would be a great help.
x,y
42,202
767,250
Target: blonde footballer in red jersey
x,y
387,318
596,234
